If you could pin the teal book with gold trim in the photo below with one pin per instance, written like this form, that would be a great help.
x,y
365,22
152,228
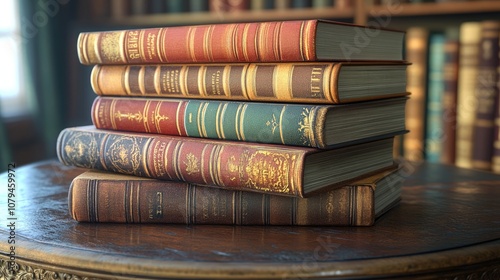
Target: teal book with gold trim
x,y
309,125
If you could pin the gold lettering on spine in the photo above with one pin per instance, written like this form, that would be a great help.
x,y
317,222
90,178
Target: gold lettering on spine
x,y
151,46
215,83
132,45
159,162
316,81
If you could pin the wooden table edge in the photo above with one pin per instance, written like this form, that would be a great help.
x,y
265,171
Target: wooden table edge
x,y
52,260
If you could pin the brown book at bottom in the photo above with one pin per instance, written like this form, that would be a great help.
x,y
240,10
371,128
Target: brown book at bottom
x,y
98,196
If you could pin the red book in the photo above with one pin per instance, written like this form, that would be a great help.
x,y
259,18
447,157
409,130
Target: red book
x,y
301,40
279,169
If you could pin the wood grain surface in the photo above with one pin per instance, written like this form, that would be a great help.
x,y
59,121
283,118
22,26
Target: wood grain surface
x,y
447,225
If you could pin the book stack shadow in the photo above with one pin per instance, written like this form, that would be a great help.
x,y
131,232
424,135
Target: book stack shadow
x,y
262,123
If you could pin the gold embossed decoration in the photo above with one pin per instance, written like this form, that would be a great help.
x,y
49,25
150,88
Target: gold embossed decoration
x,y
305,126
192,164
267,171
124,154
79,146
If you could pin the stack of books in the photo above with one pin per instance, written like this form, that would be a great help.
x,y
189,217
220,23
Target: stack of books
x,y
264,123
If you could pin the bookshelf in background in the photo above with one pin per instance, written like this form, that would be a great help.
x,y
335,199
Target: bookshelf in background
x,y
434,16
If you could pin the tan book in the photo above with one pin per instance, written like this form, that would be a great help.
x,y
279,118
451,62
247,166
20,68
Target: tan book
x,y
314,82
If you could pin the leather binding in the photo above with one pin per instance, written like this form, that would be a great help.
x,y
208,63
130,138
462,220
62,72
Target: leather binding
x,y
97,196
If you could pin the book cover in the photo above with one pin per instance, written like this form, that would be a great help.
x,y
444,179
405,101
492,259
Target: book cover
x,y
315,82
486,95
470,37
279,169
299,40
319,126
104,197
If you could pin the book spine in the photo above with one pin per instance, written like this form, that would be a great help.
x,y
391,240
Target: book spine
x,y
237,42
147,201
435,92
451,48
235,165
416,47
486,95
288,124
288,82
470,36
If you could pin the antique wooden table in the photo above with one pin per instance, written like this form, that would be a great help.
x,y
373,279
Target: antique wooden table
x,y
447,226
